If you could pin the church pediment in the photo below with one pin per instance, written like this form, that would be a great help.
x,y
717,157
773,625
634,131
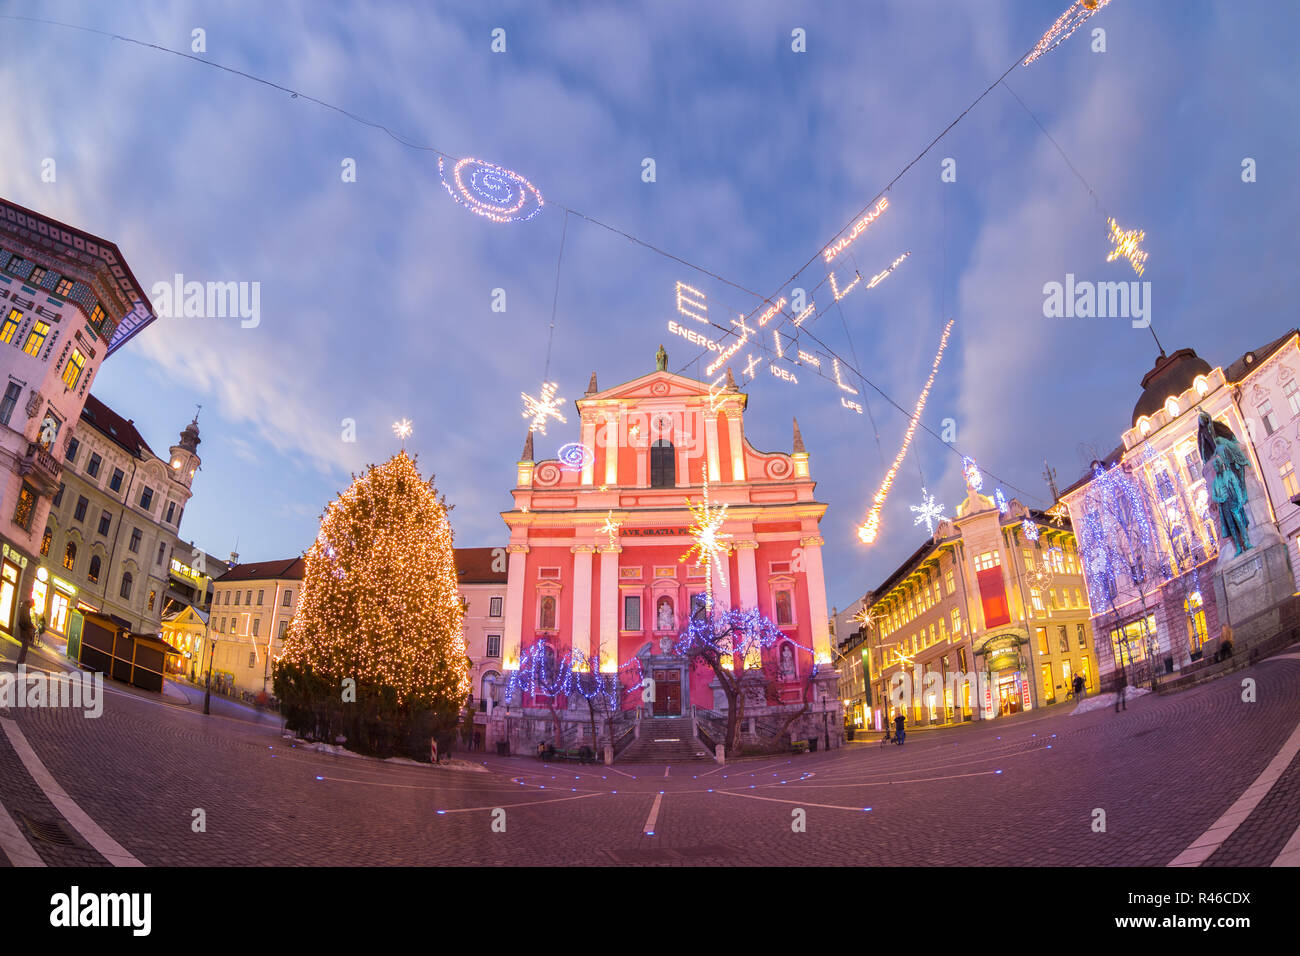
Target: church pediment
x,y
654,385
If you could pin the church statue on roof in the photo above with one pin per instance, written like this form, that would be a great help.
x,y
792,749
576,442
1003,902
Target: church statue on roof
x,y
661,360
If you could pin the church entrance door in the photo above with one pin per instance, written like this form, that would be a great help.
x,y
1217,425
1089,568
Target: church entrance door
x,y
668,693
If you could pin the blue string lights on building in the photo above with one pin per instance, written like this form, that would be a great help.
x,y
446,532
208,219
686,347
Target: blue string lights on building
x,y
737,631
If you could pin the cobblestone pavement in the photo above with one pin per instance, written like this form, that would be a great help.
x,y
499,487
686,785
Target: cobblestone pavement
x,y
1017,791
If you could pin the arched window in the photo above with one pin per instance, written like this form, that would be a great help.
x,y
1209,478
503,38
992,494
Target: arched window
x,y
93,573
45,543
70,555
126,585
663,464
489,686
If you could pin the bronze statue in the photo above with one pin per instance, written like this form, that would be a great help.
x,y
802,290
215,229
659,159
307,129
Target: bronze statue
x,y
661,360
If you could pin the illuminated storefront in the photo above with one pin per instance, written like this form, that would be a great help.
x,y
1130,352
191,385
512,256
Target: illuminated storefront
x,y
53,598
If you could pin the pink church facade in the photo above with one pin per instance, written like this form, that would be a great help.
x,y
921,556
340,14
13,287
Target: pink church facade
x,y
596,541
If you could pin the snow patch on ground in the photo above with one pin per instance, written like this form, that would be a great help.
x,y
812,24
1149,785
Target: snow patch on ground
x,y
1107,700
453,764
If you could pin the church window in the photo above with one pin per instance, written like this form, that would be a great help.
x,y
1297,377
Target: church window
x,y
663,464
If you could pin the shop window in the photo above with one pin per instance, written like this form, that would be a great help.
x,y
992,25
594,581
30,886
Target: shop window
x,y
1041,634
1049,688
1197,633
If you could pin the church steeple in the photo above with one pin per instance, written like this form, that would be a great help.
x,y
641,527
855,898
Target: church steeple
x,y
185,459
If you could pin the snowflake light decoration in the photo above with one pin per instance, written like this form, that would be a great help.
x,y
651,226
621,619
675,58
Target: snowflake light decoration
x,y
1127,246
710,541
972,473
928,511
864,617
1000,500
1058,513
540,409
402,430
1066,24
1030,528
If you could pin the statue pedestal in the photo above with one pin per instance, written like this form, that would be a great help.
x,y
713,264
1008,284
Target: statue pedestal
x,y
1250,588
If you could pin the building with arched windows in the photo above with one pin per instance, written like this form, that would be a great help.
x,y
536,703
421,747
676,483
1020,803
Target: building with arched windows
x,y
598,534
111,541
68,300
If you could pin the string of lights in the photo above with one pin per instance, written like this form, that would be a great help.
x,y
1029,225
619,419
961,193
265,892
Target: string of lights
x,y
839,241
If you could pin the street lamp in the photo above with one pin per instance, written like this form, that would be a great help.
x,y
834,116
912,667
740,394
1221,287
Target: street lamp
x,y
207,688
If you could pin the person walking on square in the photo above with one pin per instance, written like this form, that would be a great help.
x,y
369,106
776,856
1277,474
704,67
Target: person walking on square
x,y
898,728
1120,696
26,629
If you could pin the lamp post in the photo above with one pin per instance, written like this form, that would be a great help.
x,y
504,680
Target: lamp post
x,y
207,684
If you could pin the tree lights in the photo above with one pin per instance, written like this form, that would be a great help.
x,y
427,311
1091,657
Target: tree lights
x,y
870,528
542,408
380,597
493,192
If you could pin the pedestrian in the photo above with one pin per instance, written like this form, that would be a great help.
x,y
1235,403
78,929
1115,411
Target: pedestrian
x,y
1121,687
26,629
433,750
1078,686
898,728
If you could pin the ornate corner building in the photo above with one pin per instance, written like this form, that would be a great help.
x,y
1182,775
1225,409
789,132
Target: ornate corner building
x,y
68,300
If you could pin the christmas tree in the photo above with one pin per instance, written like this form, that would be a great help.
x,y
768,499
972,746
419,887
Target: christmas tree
x,y
380,605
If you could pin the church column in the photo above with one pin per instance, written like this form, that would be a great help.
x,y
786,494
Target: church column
x,y
510,653
611,449
608,635
589,440
711,441
737,445
747,570
812,564
582,637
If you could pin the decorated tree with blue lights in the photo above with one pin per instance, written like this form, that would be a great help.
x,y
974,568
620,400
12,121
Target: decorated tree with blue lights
x,y
732,644
1119,544
545,674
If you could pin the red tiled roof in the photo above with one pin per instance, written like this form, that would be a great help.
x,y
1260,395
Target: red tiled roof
x,y
266,570
114,427
474,566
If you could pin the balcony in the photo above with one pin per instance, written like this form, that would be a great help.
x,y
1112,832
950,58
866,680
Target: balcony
x,y
43,466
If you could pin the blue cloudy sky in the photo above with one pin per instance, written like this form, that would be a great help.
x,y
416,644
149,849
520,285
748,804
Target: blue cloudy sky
x,y
376,295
